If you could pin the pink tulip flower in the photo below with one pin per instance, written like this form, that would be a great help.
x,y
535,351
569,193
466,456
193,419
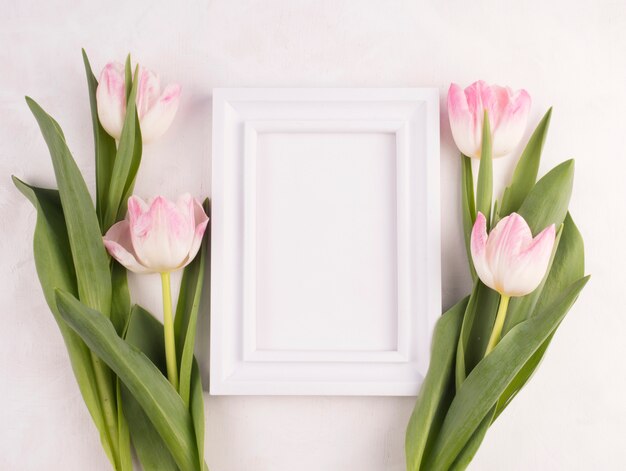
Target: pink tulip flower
x,y
158,236
507,111
156,109
509,260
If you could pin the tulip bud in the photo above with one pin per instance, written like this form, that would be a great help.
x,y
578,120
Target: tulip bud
x,y
158,236
509,260
507,111
155,109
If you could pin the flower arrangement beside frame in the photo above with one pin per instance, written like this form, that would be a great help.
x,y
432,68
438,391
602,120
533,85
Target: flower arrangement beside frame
x,y
487,346
139,378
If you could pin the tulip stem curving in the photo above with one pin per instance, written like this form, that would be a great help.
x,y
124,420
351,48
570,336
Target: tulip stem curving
x,y
168,322
497,326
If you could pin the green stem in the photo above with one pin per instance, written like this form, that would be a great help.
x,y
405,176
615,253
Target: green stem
x,y
168,322
497,326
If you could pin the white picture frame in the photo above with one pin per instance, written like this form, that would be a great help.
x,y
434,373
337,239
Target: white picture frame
x,y
325,266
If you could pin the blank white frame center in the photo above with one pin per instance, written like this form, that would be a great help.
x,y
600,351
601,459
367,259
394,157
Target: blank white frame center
x,y
325,240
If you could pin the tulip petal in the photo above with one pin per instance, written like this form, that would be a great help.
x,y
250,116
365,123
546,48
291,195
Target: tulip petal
x,y
531,264
479,98
162,235
505,243
136,207
161,113
478,248
507,110
511,123
462,122
201,220
509,260
148,91
118,243
111,99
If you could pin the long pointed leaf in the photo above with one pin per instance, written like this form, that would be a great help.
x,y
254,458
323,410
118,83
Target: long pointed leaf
x,y
525,174
468,319
547,202
53,260
484,186
127,160
120,306
90,258
104,144
155,394
128,77
568,265
126,457
146,334
187,313
197,411
423,422
468,207
471,447
477,325
482,388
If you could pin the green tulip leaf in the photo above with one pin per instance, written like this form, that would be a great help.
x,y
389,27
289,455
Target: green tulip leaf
x,y
525,174
568,265
437,389
91,262
120,306
90,258
477,325
479,393
484,186
104,145
146,334
547,202
127,161
55,268
471,447
123,432
468,207
197,410
186,320
158,399
128,77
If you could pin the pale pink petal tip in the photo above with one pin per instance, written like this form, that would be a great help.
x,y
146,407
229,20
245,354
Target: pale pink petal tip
x,y
118,243
479,233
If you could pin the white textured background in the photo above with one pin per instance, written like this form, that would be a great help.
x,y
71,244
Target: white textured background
x,y
572,416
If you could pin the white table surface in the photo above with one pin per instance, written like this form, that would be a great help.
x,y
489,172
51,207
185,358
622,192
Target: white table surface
x,y
572,415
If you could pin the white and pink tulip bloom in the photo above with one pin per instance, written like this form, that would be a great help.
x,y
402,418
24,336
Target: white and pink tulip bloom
x,y
159,236
156,109
507,110
509,260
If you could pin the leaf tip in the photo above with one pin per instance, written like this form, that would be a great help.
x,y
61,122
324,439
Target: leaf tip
x,y
566,167
33,105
